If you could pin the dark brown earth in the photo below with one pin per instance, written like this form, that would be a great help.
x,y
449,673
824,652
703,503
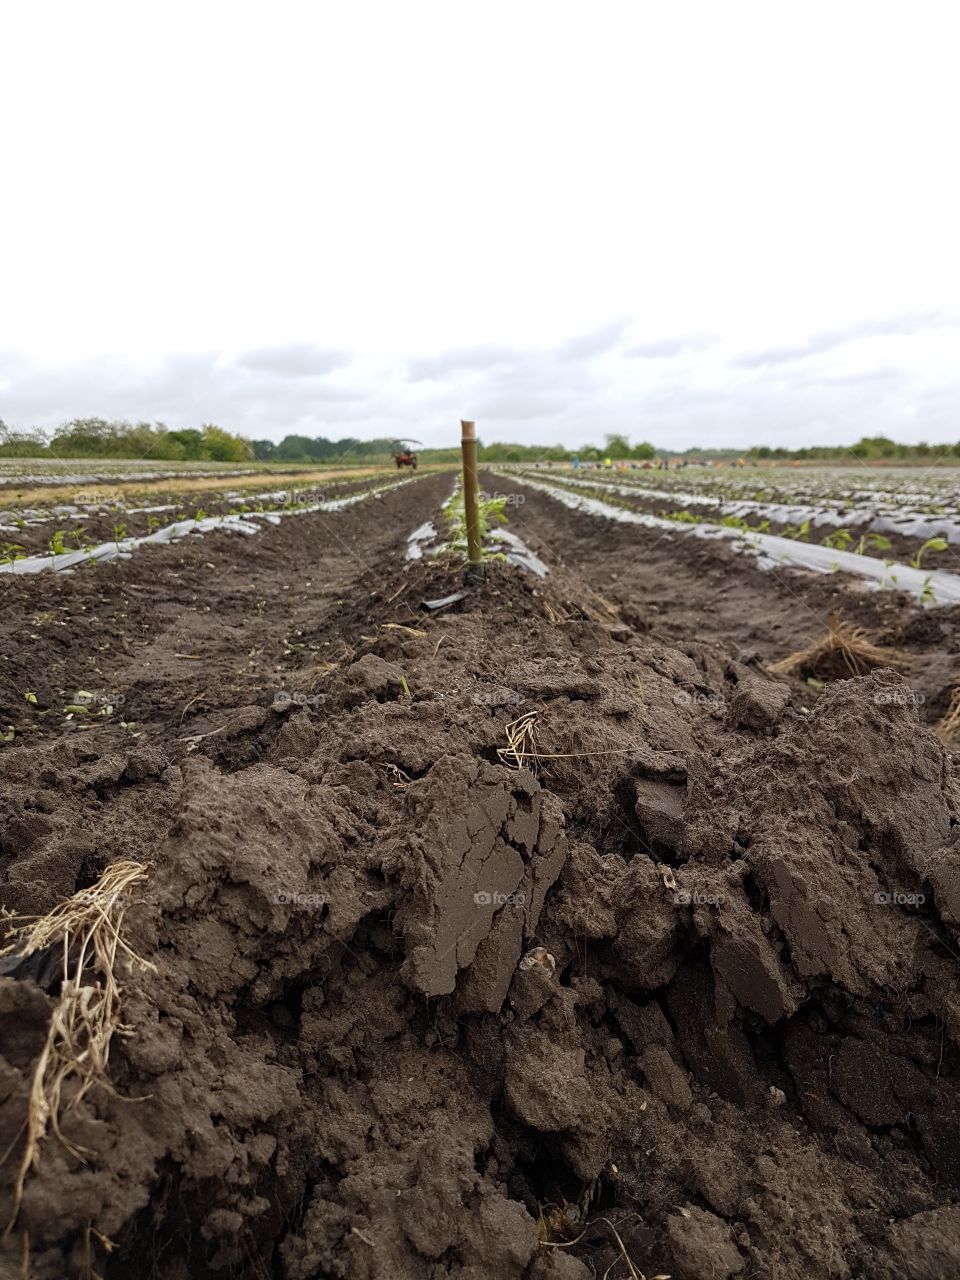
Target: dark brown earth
x,y
418,1013
680,587
901,547
108,521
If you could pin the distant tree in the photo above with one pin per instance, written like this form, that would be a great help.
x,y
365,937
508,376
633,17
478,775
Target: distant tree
x,y
221,446
21,444
85,438
875,447
191,441
616,446
293,449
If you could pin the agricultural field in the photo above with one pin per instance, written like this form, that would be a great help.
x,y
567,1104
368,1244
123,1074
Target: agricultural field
x,y
25,472
594,916
894,514
59,534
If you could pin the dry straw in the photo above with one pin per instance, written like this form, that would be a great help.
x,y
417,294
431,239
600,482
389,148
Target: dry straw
x,y
521,745
845,650
86,931
948,728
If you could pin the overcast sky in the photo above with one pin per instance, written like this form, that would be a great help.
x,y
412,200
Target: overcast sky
x,y
695,223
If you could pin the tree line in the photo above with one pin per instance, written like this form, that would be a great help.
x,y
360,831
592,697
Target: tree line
x,y
107,438
103,438
867,449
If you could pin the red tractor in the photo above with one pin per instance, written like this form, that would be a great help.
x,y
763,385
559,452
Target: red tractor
x,y
405,456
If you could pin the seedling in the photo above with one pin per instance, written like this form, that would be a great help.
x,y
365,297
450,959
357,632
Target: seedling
x,y
800,533
839,540
681,517
927,595
875,540
490,511
10,552
931,544
735,522
56,545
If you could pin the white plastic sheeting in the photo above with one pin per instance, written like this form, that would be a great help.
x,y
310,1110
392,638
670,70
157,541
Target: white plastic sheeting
x,y
245,523
772,551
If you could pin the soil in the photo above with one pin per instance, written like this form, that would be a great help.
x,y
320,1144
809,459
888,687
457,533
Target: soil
x,y
107,521
900,547
683,987
680,587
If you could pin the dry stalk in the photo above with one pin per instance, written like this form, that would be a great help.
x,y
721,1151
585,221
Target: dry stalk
x,y
86,1016
521,735
844,650
398,626
521,745
632,1272
555,616
948,727
397,776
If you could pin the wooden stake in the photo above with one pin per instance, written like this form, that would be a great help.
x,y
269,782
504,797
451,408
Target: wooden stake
x,y
468,443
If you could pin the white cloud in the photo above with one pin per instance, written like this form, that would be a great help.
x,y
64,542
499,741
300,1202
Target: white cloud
x,y
375,217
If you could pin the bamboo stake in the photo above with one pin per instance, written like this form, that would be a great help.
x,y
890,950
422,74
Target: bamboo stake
x,y
468,443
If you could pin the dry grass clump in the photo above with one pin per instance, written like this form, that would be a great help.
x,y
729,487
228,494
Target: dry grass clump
x,y
521,749
947,729
85,931
521,741
846,650
585,606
